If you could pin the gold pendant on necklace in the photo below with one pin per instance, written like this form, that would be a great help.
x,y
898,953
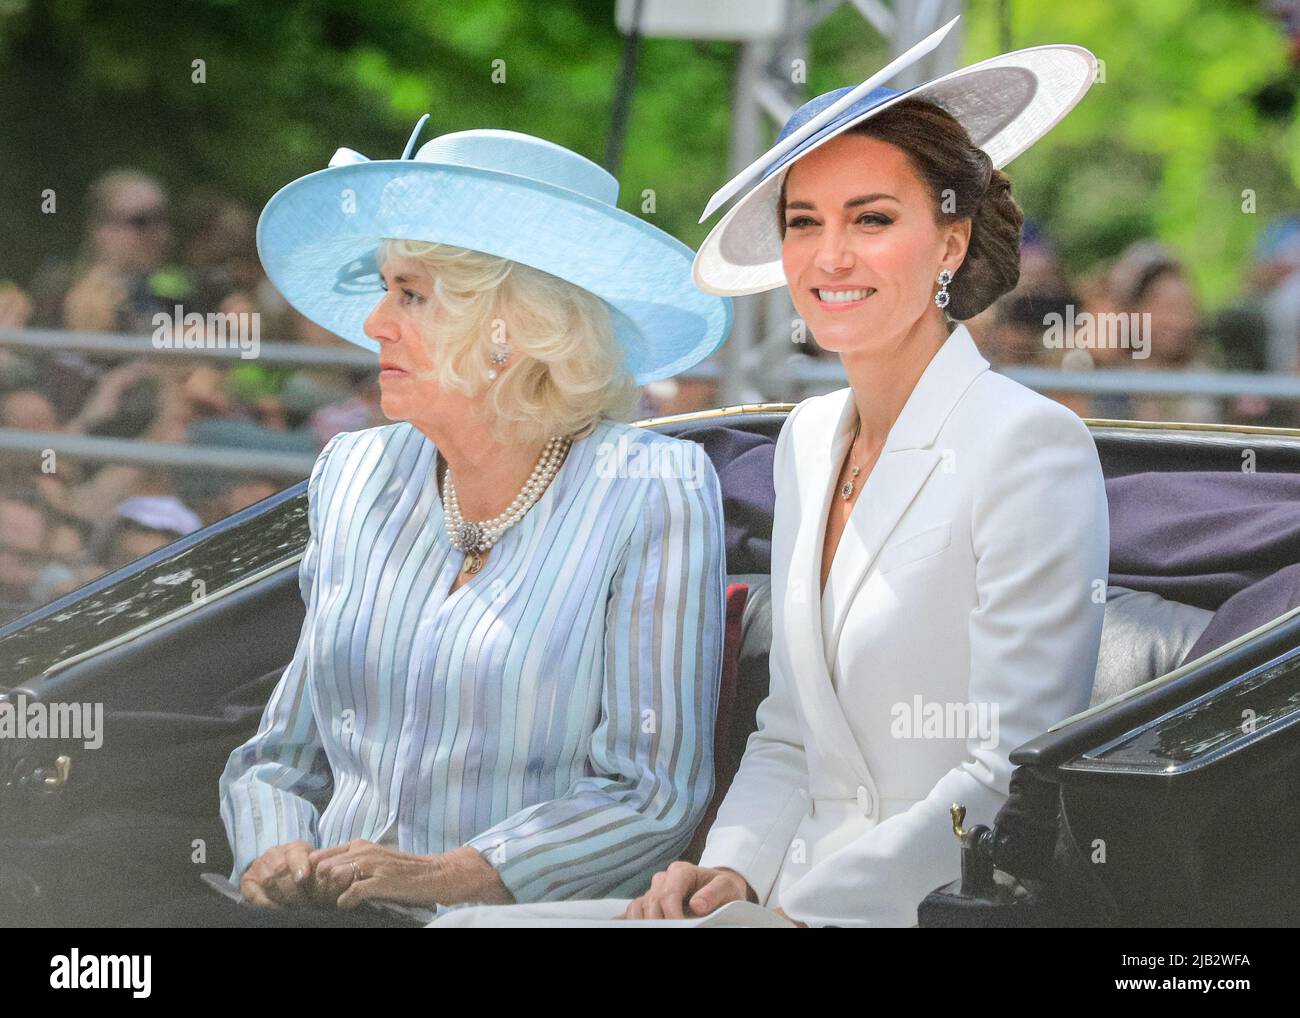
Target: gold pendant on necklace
x,y
847,490
473,563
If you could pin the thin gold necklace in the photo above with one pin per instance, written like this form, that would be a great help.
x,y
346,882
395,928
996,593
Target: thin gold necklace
x,y
847,489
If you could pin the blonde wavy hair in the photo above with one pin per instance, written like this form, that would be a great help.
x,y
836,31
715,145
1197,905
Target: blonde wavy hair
x,y
570,370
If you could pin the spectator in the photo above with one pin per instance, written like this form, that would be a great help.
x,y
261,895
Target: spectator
x,y
1095,299
1276,281
28,410
222,256
117,283
68,563
1012,332
15,306
143,524
22,542
1150,280
217,502
17,370
123,283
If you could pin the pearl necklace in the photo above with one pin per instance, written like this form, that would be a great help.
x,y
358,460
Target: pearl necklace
x,y
474,537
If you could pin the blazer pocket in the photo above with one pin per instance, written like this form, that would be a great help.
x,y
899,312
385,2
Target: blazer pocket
x,y
914,547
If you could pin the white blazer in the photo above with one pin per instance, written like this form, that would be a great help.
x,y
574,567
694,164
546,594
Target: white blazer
x,y
968,586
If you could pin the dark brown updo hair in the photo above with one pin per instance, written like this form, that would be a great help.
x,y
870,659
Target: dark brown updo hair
x,y
941,153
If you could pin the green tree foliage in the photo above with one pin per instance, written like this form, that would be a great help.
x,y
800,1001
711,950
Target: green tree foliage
x,y
1184,129
87,85
1166,146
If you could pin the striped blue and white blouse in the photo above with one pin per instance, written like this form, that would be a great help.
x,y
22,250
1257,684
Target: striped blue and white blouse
x,y
556,712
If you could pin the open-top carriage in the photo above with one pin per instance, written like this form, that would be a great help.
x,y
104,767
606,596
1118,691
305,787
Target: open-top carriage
x,y
1170,801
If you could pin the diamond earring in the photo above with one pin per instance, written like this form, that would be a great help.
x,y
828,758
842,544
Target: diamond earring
x,y
942,297
500,354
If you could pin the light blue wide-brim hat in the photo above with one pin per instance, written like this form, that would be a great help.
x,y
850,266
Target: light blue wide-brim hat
x,y
1005,103
502,193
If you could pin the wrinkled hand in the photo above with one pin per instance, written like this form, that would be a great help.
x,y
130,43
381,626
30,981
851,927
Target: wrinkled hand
x,y
347,875
279,878
685,891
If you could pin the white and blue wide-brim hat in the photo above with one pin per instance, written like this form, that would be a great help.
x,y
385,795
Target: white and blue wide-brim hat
x,y
501,193
1005,103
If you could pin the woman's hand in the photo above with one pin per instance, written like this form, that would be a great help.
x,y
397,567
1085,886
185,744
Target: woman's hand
x,y
279,878
683,886
347,875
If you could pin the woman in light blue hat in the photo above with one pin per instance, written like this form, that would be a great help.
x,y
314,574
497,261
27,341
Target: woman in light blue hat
x,y
506,681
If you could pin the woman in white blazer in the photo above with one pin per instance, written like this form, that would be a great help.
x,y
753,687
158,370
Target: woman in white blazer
x,y
958,620
940,540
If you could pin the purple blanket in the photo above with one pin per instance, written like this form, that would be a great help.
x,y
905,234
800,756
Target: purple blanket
x,y
1202,537
1225,541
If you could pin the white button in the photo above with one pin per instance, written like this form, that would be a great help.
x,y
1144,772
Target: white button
x,y
865,801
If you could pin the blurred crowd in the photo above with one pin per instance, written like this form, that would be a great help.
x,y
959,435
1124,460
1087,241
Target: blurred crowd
x,y
64,520
1142,313
1149,287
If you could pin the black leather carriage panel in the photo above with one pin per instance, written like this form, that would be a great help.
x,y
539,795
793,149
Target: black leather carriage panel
x,y
176,701
195,662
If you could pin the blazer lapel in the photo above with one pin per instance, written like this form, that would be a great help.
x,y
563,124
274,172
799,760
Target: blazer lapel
x,y
817,453
905,462
904,465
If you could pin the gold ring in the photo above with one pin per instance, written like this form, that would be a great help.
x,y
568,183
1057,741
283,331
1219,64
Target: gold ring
x,y
356,873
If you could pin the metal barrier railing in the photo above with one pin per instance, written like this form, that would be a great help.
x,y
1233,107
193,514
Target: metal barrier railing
x,y
799,376
112,344
800,372
1124,381
139,452
812,374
